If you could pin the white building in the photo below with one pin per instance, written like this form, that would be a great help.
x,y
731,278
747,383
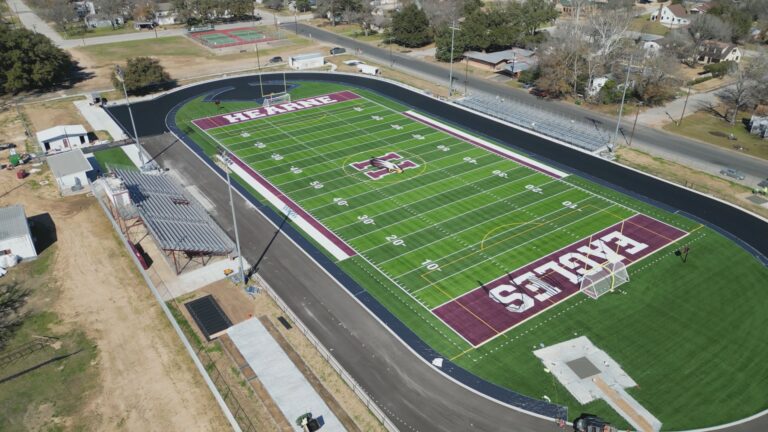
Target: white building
x,y
15,238
597,84
165,14
306,61
672,16
71,171
63,138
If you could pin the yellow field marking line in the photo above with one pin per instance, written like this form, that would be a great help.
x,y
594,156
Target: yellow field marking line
x,y
482,242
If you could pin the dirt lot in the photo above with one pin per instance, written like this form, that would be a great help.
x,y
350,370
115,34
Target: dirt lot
x,y
11,127
145,379
182,58
697,180
44,115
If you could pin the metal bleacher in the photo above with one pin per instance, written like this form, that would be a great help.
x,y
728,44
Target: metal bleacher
x,y
175,220
588,137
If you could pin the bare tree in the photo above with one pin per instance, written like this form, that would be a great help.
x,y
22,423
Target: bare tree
x,y
748,86
605,30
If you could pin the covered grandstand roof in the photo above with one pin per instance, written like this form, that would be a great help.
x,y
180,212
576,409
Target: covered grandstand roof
x,y
175,219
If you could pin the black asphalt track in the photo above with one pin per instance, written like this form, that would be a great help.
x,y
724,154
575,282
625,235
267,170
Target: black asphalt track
x,y
412,393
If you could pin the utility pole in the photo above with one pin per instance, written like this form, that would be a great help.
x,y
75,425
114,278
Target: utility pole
x,y
121,77
637,114
621,107
466,75
228,161
684,106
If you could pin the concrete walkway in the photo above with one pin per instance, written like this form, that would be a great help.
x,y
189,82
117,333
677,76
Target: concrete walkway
x,y
285,383
33,22
99,119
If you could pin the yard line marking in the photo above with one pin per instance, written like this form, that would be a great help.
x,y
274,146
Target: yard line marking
x,y
432,283
391,209
454,233
439,207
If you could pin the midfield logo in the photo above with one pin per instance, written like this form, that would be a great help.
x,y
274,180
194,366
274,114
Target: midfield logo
x,y
378,167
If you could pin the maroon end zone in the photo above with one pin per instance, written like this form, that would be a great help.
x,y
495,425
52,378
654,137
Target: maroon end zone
x,y
506,302
256,113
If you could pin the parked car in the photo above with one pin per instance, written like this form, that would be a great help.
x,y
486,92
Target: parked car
x,y
539,93
276,59
763,183
337,50
730,172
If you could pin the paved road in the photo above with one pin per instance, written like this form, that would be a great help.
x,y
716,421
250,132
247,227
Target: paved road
x,y
696,154
33,22
414,395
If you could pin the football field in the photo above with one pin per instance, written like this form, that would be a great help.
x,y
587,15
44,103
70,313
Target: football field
x,y
460,225
481,251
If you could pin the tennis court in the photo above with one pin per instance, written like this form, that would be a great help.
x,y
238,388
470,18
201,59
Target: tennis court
x,y
230,37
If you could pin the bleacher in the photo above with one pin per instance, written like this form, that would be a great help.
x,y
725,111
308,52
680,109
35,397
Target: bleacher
x,y
588,137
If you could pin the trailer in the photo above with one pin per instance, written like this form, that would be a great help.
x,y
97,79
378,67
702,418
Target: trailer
x,y
368,69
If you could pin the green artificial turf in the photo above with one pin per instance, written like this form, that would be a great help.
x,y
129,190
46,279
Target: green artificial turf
x,y
690,334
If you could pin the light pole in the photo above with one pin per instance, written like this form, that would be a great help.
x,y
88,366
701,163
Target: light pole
x,y
450,74
121,77
621,107
228,161
391,59
258,64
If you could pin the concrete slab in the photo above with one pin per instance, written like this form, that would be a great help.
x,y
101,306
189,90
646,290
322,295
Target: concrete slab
x,y
192,280
284,382
99,119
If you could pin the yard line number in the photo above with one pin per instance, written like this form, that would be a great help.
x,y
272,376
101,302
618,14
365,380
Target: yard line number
x,y
395,240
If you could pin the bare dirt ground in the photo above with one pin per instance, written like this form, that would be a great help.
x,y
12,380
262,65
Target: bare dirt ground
x,y
147,381
11,128
43,115
697,180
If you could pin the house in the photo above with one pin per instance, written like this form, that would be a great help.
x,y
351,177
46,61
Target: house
x,y
715,52
673,16
306,61
71,171
700,8
514,60
568,8
15,238
597,85
165,14
651,48
758,125
63,138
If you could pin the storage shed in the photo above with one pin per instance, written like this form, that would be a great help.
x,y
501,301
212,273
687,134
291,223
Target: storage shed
x,y
70,169
63,138
15,238
306,61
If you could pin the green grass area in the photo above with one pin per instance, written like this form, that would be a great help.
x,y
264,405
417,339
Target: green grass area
x,y
478,216
81,33
645,25
164,46
113,157
50,383
706,127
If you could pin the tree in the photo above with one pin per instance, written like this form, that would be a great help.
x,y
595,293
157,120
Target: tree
x,y
275,4
534,13
410,27
141,73
702,28
30,61
303,5
737,16
333,9
443,44
12,301
748,86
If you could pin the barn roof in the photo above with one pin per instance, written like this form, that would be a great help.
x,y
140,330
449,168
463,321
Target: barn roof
x,y
13,222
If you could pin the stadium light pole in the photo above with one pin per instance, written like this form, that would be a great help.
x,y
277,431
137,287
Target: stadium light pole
x,y
450,73
258,65
621,107
121,77
227,161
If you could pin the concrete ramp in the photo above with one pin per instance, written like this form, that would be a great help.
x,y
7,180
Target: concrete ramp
x,y
292,393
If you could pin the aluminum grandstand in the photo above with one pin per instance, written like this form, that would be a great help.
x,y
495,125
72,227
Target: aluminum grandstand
x,y
179,225
590,138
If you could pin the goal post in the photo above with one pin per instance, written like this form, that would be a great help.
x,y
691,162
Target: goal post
x,y
276,98
603,279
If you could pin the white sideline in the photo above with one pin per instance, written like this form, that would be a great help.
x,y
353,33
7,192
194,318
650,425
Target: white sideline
x,y
283,208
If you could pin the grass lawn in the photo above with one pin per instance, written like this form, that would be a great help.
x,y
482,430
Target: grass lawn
x,y
113,157
98,32
165,46
52,382
462,204
706,127
645,25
